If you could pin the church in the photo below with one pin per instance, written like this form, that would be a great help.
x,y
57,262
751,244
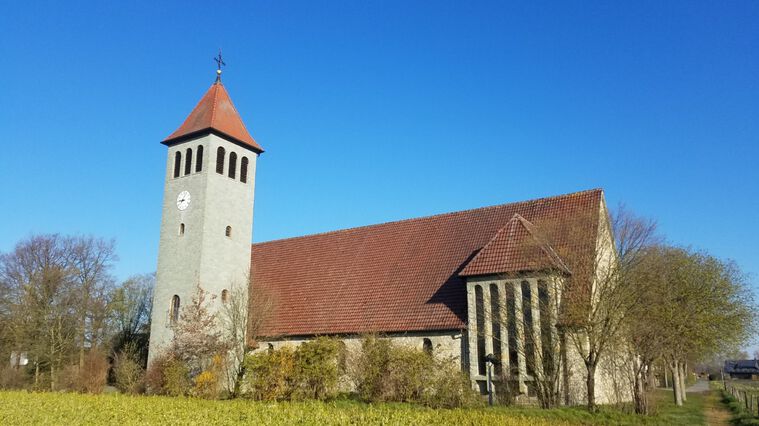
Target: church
x,y
474,285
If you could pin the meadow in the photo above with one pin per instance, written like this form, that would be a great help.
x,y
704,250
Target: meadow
x,y
30,408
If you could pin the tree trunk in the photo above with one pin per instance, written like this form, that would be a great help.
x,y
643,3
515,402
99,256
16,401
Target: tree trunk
x,y
640,396
677,390
591,384
666,381
683,373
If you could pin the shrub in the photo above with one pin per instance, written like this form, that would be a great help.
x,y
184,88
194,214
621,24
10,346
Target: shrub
x,y
67,378
316,369
369,368
386,371
269,374
207,382
128,373
409,373
177,378
94,375
168,375
12,378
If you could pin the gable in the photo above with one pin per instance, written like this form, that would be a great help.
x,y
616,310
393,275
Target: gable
x,y
400,276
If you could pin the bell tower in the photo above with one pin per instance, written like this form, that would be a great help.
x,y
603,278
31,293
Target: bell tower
x,y
207,219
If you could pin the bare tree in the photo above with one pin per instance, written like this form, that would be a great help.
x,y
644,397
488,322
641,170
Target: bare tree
x,y
38,276
131,305
197,335
91,260
242,315
598,296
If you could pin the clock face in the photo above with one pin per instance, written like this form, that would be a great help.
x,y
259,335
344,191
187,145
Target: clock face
x,y
183,200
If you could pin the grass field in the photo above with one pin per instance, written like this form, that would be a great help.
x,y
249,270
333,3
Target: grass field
x,y
24,408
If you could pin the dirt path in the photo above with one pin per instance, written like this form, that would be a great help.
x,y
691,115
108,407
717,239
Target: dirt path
x,y
715,412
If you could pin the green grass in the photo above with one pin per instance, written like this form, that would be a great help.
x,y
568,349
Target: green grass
x,y
25,408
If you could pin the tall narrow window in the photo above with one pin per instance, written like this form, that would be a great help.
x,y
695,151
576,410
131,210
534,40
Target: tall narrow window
x,y
224,296
244,170
220,153
511,327
174,312
228,231
546,337
188,161
480,312
199,160
181,229
495,324
177,164
529,331
232,164
427,346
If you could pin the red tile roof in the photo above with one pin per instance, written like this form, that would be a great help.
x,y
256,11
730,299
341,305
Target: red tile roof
x,y
215,112
517,247
398,276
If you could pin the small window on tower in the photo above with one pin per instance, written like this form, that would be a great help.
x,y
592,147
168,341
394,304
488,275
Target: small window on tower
x,y
220,160
244,170
232,164
181,229
177,163
224,296
199,160
174,312
228,231
188,162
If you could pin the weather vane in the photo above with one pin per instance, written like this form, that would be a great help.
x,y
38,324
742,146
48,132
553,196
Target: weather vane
x,y
219,64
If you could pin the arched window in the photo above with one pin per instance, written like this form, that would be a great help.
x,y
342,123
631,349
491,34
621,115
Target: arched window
x,y
181,229
529,332
174,312
480,312
177,163
511,328
224,296
232,164
244,170
188,161
546,337
220,153
270,348
495,324
228,231
199,160
427,346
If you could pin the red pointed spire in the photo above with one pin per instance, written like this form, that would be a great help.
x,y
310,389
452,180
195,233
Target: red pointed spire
x,y
215,113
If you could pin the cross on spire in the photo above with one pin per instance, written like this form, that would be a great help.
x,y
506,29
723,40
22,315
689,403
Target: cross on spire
x,y
219,64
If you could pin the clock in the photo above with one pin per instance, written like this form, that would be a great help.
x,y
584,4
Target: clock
x,y
183,200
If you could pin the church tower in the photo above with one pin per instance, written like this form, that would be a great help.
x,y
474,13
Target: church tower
x,y
207,224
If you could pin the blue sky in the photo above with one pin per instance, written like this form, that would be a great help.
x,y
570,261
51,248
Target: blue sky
x,y
377,111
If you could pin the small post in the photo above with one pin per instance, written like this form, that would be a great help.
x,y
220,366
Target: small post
x,y
490,384
490,361
722,376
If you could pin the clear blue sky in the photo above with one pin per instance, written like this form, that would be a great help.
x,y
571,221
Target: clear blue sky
x,y
377,111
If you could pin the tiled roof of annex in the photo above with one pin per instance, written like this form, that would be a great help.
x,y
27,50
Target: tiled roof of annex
x,y
517,247
399,276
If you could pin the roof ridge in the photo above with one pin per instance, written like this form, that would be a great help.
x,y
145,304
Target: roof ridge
x,y
215,101
337,231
